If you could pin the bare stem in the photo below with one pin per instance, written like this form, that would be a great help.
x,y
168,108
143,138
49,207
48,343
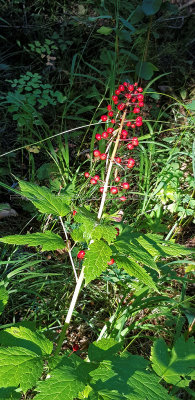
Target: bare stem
x,y
69,249
81,277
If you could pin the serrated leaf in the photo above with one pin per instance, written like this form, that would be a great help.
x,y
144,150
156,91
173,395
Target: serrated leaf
x,y
21,336
136,253
9,393
77,235
175,366
128,377
135,270
19,366
65,382
145,69
3,298
105,232
47,240
104,349
87,220
44,200
96,259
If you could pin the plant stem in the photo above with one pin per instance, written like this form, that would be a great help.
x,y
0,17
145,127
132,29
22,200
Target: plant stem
x,y
69,250
81,277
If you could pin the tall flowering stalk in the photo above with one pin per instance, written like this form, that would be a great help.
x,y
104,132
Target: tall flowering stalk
x,y
121,124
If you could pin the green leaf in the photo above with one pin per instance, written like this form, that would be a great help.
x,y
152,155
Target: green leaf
x,y
45,200
151,7
77,235
19,366
9,393
21,336
136,253
104,349
104,30
106,232
175,366
96,260
135,270
145,69
87,220
47,240
3,298
65,382
127,377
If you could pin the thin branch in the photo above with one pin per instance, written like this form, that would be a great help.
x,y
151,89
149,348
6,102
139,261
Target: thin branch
x,y
69,249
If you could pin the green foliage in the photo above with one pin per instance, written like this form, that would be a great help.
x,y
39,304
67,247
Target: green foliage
x,y
151,7
46,201
96,259
175,366
145,69
3,298
135,270
47,240
9,394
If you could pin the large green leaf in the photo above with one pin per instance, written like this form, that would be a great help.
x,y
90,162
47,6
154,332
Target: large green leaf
x,y
3,298
65,382
104,231
21,336
45,200
145,69
47,240
151,7
135,270
87,220
96,260
136,253
176,366
103,349
9,393
19,366
127,376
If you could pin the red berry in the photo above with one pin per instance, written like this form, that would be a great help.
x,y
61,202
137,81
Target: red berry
x,y
101,189
139,89
75,347
130,163
133,100
130,146
113,190
74,212
132,126
117,229
86,174
139,118
81,254
96,153
104,118
128,123
123,198
135,141
135,84
121,88
135,92
115,98
128,95
118,160
140,104
125,185
93,181
109,107
110,113
136,110
125,84
98,136
111,261
105,135
140,97
113,121
124,132
121,106
110,130
131,88
117,179
103,156
117,91
139,123
96,177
